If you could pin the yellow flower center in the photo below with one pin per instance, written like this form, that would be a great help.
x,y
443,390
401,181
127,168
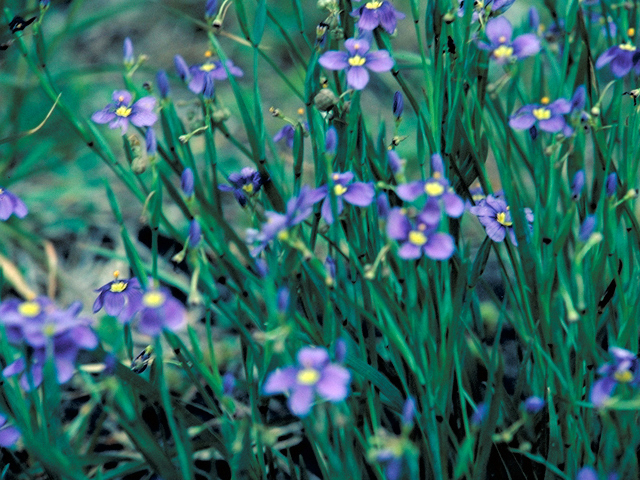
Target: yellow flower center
x,y
207,67
339,189
1,191
308,376
283,236
153,299
357,61
433,189
542,113
503,51
118,287
123,111
373,5
248,188
418,238
501,218
628,47
29,309
624,376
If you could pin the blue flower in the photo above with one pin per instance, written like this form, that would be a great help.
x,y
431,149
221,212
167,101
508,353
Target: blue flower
x,y
121,111
246,183
10,204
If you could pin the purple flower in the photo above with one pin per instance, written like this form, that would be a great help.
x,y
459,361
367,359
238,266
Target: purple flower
x,y
377,13
150,142
577,184
116,294
588,473
356,193
228,383
438,191
278,224
287,132
499,32
314,375
186,182
356,61
408,412
382,203
9,434
195,233
46,328
398,105
11,204
210,8
534,404
158,311
549,118
497,7
587,228
395,162
212,70
479,414
163,83
243,184
127,52
611,184
120,112
182,68
623,369
622,58
493,213
419,237
331,141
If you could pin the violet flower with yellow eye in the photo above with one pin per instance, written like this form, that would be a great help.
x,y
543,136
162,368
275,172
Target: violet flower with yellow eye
x,y
624,369
356,60
314,375
121,111
158,311
376,13
113,296
211,69
499,32
494,215
549,117
419,237
356,193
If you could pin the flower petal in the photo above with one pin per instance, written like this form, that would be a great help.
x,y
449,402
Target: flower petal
x,y
334,60
526,45
280,381
379,61
357,77
334,384
439,246
360,194
301,400
313,357
497,28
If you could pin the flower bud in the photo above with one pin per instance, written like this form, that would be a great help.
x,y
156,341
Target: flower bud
x,y
398,105
127,53
151,142
195,233
577,184
210,8
181,67
331,141
611,184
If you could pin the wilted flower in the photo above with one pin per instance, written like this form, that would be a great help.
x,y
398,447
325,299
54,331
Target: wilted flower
x,y
114,295
611,184
331,141
314,375
186,182
195,233
377,13
356,193
11,204
356,61
622,58
182,68
438,191
213,70
587,228
419,237
499,32
150,142
494,214
120,112
163,83
548,117
158,311
244,184
497,7
287,133
534,404
398,105
577,184
623,369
